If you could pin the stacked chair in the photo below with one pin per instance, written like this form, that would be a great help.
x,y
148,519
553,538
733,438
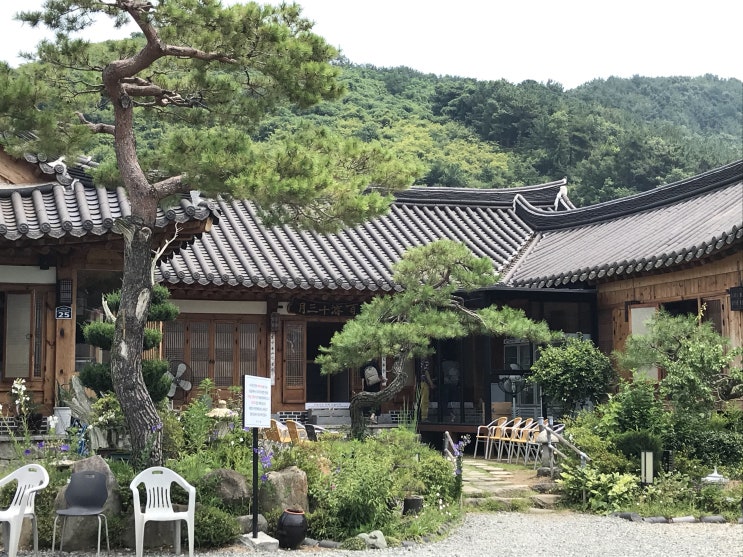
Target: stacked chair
x,y
278,432
500,436
484,433
519,443
297,432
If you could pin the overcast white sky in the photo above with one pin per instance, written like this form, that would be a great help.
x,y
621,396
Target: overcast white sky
x,y
569,41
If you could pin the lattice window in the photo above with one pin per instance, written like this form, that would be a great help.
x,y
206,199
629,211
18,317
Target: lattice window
x,y
294,355
174,340
248,348
221,349
18,333
38,338
224,345
198,340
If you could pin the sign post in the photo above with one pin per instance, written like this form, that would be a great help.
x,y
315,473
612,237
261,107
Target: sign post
x,y
256,413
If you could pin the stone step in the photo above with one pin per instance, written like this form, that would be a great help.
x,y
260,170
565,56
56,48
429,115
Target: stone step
x,y
545,500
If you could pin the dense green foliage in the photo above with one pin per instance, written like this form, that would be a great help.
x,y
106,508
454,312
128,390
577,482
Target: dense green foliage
x,y
573,373
97,376
609,137
404,325
698,362
689,415
349,495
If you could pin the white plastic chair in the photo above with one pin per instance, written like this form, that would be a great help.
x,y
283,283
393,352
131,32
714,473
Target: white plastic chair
x,y
158,506
30,478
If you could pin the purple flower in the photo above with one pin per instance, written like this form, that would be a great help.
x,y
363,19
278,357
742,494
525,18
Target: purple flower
x,y
64,447
27,452
40,444
264,478
156,427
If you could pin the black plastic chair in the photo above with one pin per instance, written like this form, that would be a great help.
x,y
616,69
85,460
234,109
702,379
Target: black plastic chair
x,y
86,494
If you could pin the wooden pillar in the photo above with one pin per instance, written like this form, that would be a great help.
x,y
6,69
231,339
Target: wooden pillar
x,y
64,341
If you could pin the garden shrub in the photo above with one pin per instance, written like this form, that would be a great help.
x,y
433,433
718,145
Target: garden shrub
x,y
715,499
197,426
353,544
437,477
173,440
573,373
584,433
357,486
604,492
700,440
214,527
632,443
717,447
234,450
635,406
671,494
359,494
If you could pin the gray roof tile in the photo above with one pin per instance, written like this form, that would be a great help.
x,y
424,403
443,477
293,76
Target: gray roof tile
x,y
656,230
241,251
70,205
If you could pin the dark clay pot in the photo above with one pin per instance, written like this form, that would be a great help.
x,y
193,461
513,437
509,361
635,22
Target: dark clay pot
x,y
292,528
412,504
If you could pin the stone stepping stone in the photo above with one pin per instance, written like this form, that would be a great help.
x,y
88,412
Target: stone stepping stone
x,y
546,501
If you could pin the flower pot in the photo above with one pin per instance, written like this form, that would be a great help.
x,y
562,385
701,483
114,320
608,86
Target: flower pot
x,y
292,528
412,504
64,413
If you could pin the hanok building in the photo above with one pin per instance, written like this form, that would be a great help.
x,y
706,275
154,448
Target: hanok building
x,y
254,298
58,253
258,300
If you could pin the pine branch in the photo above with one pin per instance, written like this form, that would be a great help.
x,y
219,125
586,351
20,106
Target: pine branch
x,y
170,186
96,128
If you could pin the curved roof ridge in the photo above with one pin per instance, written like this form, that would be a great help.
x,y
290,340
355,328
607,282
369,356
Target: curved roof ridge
x,y
541,219
541,195
693,229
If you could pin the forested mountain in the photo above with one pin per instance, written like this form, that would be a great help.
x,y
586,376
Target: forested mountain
x,y
609,137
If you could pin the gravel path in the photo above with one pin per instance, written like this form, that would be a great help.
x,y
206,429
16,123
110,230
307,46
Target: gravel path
x,y
572,535
535,535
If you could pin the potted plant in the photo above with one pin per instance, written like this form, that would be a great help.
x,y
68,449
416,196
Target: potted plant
x,y
106,416
62,410
411,487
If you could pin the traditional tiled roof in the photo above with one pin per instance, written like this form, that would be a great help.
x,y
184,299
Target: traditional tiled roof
x,y
70,205
240,251
658,230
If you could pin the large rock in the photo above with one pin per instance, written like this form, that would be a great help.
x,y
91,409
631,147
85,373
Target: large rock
x,y
157,534
286,489
374,540
230,486
246,523
82,532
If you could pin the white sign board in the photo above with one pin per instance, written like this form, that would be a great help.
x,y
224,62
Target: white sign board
x,y
256,401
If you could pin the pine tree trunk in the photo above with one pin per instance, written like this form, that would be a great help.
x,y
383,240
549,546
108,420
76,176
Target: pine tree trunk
x,y
126,354
366,399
